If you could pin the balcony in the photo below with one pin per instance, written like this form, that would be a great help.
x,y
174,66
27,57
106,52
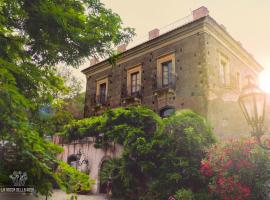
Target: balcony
x,y
169,87
130,97
99,100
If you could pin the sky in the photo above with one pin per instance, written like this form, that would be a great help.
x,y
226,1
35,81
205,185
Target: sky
x,y
247,21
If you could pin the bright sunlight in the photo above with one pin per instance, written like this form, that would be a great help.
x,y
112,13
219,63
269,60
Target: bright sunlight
x,y
264,81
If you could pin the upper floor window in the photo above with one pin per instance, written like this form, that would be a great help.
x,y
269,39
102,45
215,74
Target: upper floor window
x,y
166,73
224,71
134,80
166,70
102,91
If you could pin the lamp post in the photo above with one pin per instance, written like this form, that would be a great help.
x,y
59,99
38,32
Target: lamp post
x,y
252,103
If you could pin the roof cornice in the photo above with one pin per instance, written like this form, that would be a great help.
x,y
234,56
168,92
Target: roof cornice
x,y
185,29
190,27
214,29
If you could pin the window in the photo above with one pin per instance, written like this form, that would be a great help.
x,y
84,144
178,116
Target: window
x,y
166,73
102,90
134,80
224,71
165,70
167,111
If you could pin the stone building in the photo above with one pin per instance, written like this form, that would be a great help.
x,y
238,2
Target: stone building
x,y
196,66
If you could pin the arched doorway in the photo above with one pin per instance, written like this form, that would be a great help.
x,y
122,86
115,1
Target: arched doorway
x,y
166,111
102,183
72,160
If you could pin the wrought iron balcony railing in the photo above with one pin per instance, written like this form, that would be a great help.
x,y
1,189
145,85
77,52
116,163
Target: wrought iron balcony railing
x,y
130,96
137,93
101,99
170,83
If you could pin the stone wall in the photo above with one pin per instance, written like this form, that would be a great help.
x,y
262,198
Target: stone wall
x,y
94,156
189,54
197,48
223,110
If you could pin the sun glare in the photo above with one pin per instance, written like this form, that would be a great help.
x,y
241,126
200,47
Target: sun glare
x,y
264,80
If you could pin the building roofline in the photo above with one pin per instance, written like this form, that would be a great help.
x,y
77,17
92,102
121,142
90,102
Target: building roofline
x,y
237,43
160,37
106,61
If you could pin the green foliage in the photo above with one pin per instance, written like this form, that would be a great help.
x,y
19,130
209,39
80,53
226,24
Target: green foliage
x,y
112,169
71,180
35,36
190,136
187,194
203,195
153,164
75,105
184,194
115,125
38,157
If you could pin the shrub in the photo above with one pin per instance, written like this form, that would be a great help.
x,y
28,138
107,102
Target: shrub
x,y
238,169
71,180
184,194
159,155
112,169
190,136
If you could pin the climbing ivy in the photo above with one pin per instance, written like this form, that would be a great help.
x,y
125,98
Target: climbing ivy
x,y
159,157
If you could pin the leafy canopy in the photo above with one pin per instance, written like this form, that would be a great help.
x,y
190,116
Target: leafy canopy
x,y
34,37
159,155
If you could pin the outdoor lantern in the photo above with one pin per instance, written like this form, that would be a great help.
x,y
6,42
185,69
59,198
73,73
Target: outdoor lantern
x,y
252,103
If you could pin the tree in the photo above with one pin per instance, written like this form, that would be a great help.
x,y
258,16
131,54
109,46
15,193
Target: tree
x,y
153,165
191,136
34,37
73,83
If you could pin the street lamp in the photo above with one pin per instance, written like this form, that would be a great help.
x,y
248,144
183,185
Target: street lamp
x,y
252,103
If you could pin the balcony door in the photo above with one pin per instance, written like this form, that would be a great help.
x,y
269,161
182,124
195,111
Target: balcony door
x,y
102,93
135,82
166,73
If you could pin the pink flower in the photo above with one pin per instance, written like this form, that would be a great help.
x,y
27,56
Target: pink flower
x,y
206,169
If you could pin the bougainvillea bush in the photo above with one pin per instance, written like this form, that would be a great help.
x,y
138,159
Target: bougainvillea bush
x,y
238,169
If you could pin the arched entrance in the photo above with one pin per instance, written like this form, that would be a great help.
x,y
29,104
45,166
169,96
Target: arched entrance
x,y
72,160
102,183
103,176
166,111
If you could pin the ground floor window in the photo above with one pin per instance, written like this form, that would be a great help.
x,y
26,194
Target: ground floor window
x,y
167,111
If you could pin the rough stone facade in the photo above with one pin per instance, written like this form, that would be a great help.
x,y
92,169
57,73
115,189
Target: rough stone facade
x,y
209,69
197,48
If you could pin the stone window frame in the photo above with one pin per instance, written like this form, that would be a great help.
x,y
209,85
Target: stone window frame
x,y
224,74
100,82
160,60
130,71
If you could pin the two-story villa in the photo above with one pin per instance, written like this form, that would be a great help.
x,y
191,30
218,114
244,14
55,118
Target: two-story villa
x,y
196,66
